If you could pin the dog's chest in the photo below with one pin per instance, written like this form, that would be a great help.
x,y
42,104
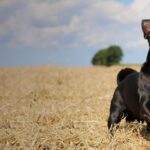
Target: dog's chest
x,y
143,84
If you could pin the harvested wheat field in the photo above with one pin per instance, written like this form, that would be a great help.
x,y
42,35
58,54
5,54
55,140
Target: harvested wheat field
x,y
52,108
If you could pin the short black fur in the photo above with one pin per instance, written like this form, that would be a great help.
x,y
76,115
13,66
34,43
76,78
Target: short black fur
x,y
131,98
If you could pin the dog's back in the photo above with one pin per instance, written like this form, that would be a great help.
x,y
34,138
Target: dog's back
x,y
128,89
123,74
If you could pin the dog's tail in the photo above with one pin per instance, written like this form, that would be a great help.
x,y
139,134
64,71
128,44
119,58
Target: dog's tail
x,y
123,74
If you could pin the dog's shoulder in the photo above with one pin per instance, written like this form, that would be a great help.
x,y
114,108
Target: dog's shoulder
x,y
144,78
144,83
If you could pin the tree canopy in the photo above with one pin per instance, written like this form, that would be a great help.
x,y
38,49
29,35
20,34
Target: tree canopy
x,y
108,56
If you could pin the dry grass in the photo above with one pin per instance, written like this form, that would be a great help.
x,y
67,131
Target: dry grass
x,y
62,108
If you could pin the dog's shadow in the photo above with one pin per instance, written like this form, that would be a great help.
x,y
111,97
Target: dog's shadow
x,y
145,134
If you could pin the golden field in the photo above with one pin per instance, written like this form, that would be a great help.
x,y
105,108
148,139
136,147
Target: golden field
x,y
52,108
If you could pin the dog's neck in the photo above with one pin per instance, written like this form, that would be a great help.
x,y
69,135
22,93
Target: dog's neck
x,y
149,42
146,66
148,54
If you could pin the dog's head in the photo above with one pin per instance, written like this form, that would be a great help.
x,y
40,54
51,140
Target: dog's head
x,y
146,28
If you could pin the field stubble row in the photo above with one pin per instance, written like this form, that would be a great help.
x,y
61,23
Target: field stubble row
x,y
51,107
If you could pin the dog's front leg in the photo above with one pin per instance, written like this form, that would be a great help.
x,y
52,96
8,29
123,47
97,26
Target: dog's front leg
x,y
145,109
117,108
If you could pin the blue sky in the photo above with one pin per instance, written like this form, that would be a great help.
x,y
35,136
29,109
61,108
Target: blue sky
x,y
69,33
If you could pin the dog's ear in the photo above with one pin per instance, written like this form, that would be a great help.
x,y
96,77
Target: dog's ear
x,y
146,28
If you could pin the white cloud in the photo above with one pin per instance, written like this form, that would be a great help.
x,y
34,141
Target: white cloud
x,y
135,12
134,44
37,23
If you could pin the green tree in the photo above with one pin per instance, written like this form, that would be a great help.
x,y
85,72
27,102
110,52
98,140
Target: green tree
x,y
99,58
109,56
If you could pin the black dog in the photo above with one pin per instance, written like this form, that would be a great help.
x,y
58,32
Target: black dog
x,y
131,98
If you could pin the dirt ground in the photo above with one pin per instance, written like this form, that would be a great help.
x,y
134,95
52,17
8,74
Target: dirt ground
x,y
52,108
